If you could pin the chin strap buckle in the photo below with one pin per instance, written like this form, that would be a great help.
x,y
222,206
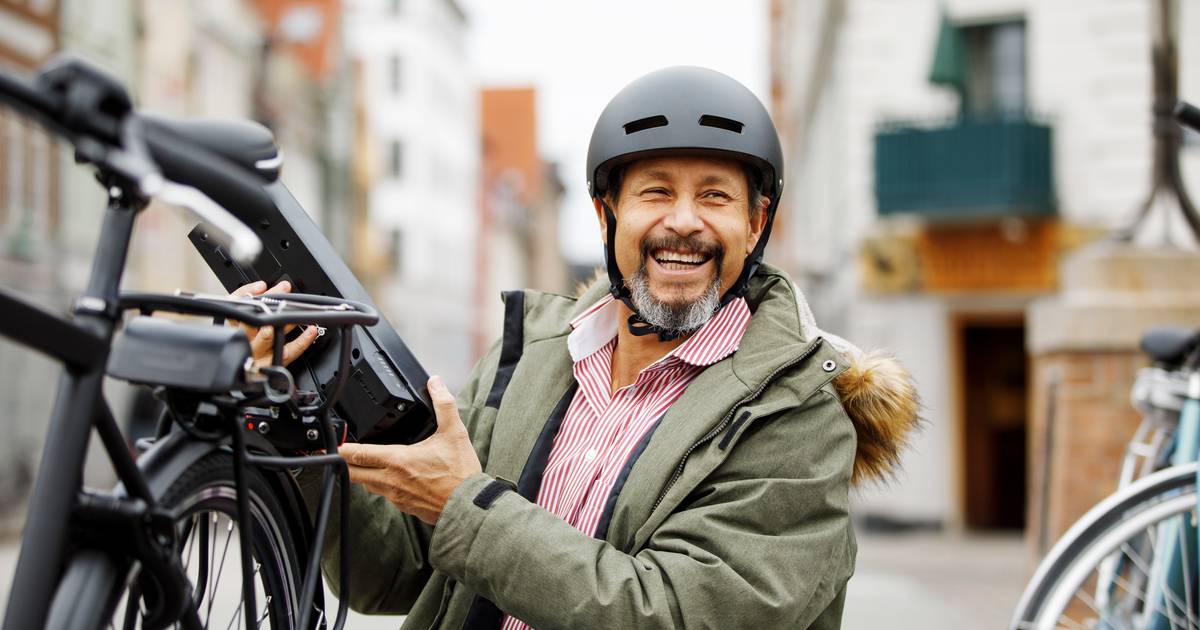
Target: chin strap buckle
x,y
641,327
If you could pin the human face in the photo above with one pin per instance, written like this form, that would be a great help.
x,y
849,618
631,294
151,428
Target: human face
x,y
686,223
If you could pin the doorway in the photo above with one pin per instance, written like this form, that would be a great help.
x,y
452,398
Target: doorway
x,y
993,390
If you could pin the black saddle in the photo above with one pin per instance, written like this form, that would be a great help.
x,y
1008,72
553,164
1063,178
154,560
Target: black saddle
x,y
1169,344
243,142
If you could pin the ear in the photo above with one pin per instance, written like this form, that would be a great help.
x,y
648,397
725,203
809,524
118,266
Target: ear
x,y
602,219
758,223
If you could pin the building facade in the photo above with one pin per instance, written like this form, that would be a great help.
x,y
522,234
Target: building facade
x,y
269,60
422,125
943,158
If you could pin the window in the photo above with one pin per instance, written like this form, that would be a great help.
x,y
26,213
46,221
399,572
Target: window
x,y
395,159
394,74
396,250
995,81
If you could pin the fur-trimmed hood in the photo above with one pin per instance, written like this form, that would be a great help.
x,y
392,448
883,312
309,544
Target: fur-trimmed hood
x,y
880,398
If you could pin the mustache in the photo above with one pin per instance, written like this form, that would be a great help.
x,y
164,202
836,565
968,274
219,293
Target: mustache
x,y
683,243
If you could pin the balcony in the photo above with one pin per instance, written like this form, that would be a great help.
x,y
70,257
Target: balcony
x,y
970,169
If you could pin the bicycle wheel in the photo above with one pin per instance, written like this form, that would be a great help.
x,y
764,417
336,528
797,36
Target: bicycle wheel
x,y
96,594
1128,563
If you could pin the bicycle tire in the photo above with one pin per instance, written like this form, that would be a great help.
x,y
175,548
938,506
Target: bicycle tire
x,y
1128,516
94,588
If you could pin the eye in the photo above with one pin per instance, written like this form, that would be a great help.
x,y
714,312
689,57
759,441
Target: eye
x,y
655,192
716,194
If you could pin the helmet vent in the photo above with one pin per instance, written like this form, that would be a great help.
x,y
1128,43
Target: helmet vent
x,y
643,124
721,123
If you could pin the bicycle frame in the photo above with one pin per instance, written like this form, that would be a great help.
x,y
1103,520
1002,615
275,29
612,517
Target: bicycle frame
x,y
82,344
44,541
1167,568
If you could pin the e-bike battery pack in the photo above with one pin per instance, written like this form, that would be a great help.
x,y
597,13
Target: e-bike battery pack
x,y
384,400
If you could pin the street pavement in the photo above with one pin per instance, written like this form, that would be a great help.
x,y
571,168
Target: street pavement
x,y
927,581
935,581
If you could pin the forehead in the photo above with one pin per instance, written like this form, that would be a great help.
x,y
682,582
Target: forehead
x,y
685,168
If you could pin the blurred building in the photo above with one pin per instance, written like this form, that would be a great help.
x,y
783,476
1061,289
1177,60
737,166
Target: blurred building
x,y
943,157
518,212
280,62
422,124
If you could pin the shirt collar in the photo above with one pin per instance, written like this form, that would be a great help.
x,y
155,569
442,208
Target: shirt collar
x,y
595,328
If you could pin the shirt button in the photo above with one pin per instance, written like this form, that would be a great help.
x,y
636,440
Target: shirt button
x,y
589,455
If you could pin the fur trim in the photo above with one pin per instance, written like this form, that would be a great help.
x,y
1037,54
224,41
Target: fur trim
x,y
881,400
584,285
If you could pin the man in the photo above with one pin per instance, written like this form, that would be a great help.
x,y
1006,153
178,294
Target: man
x,y
672,449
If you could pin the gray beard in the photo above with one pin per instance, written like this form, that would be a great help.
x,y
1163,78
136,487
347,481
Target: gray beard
x,y
679,319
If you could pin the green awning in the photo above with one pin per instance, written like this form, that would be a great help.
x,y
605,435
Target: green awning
x,y
949,58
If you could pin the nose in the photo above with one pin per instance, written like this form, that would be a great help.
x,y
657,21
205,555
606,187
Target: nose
x,y
683,219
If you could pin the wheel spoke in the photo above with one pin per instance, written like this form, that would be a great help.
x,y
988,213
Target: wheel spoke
x,y
204,513
220,569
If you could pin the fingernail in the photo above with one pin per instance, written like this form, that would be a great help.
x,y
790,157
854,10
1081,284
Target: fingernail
x,y
435,382
283,284
258,284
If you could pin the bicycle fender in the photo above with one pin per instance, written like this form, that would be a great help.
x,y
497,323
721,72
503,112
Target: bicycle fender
x,y
174,454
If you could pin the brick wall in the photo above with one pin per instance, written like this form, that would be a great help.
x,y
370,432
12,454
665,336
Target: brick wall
x,y
1080,422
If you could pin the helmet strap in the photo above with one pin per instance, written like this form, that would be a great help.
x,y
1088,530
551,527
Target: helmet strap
x,y
753,259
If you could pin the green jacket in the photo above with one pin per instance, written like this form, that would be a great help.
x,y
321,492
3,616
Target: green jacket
x,y
734,515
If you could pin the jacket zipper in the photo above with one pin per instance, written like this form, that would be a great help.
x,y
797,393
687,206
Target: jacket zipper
x,y
725,421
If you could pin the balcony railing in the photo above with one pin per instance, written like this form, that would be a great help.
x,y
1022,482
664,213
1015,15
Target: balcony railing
x,y
969,169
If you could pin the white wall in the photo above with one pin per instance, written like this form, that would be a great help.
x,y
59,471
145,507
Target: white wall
x,y
914,330
435,115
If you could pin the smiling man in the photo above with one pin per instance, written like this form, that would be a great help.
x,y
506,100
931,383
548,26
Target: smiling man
x,y
673,448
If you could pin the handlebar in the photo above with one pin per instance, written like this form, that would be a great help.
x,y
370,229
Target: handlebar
x,y
1188,115
81,103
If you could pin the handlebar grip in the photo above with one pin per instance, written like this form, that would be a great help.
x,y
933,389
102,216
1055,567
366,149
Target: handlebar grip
x,y
1188,115
225,182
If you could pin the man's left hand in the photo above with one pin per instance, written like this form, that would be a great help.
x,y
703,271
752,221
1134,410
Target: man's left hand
x,y
418,478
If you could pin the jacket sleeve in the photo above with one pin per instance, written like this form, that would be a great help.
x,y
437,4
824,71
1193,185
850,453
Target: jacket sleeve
x,y
389,550
765,541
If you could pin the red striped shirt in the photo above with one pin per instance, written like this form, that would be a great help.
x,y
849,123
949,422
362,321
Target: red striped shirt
x,y
602,428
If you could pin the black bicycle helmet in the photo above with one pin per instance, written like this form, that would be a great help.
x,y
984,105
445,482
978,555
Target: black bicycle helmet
x,y
694,110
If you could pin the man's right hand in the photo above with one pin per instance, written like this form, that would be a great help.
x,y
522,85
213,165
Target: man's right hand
x,y
262,340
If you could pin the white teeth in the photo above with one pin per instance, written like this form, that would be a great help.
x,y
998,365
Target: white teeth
x,y
667,256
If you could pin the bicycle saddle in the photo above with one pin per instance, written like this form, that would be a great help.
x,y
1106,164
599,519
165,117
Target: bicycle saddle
x,y
245,143
1169,344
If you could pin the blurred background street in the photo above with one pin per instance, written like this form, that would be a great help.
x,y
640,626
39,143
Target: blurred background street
x,y
974,186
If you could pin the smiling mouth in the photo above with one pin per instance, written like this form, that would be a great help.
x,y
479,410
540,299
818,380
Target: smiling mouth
x,y
675,260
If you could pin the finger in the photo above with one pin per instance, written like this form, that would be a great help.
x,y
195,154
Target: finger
x,y
444,406
283,286
254,288
369,455
263,343
377,477
294,348
246,290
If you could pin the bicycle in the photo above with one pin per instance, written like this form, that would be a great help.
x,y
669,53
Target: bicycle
x,y
152,552
1112,569
1132,561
